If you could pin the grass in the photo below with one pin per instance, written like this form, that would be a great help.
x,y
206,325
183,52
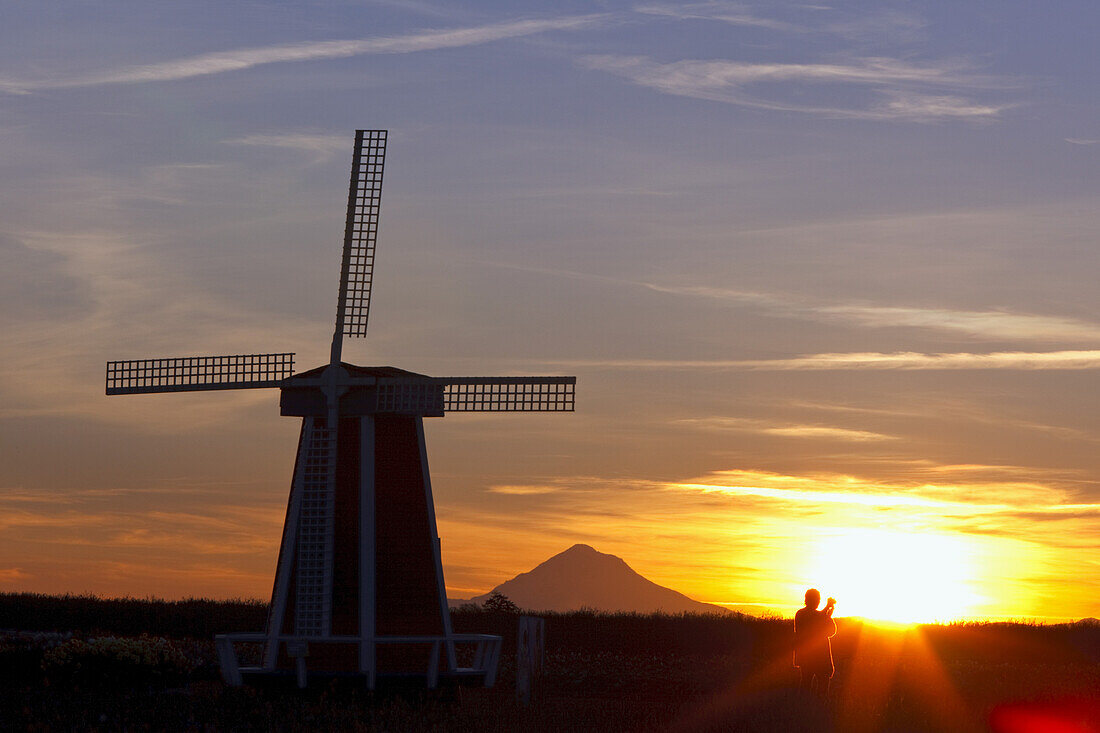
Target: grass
x,y
605,672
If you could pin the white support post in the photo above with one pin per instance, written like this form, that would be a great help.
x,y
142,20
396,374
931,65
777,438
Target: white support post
x,y
366,551
433,666
298,651
227,660
492,662
529,653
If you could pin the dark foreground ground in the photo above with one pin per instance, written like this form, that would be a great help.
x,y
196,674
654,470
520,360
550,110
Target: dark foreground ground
x,y
84,664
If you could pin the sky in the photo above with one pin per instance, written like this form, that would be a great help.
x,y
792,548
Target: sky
x,y
825,272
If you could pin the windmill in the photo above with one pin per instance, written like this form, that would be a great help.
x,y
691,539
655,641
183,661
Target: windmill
x,y
359,584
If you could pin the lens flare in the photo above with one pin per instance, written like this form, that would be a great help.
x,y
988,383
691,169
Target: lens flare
x,y
897,576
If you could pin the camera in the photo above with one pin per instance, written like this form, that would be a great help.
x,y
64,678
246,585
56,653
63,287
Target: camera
x,y
831,601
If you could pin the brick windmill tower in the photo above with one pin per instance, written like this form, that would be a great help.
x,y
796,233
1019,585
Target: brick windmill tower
x,y
359,585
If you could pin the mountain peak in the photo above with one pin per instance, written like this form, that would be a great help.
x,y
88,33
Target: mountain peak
x,y
584,577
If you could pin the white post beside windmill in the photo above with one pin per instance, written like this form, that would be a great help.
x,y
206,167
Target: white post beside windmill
x,y
359,586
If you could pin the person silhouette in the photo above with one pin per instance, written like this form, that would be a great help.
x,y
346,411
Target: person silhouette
x,y
813,654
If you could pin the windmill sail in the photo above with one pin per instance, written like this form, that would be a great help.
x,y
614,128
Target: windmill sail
x,y
313,599
360,233
508,394
436,396
198,373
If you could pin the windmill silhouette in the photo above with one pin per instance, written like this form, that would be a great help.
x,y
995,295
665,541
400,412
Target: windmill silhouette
x,y
359,585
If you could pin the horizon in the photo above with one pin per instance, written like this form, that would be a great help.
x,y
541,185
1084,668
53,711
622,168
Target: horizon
x,y
767,611
885,624
825,276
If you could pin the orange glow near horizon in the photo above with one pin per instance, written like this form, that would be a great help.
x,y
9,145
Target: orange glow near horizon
x,y
753,541
964,549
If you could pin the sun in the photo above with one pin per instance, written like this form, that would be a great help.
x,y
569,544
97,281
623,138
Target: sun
x,y
902,577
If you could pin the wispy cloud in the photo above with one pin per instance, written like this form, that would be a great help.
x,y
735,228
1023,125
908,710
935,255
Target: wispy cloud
x,y
1014,498
732,13
1022,360
993,324
245,58
523,490
810,496
985,324
884,24
915,106
120,277
321,147
905,91
226,530
12,575
1081,141
958,412
764,427
822,431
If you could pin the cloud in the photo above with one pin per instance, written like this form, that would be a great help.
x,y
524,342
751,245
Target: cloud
x,y
986,324
810,496
911,360
913,106
876,26
891,25
322,147
784,431
904,91
245,58
907,360
12,575
34,284
994,324
1081,141
721,73
49,369
226,530
821,431
959,412
1017,499
732,13
957,490
523,490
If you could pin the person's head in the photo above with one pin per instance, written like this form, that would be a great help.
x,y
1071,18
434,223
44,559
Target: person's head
x,y
813,598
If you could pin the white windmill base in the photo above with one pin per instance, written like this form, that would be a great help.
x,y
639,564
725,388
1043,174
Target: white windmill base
x,y
484,668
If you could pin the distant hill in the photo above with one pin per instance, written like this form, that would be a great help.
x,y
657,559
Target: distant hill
x,y
582,577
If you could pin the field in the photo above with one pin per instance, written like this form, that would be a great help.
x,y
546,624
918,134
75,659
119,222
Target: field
x,y
77,663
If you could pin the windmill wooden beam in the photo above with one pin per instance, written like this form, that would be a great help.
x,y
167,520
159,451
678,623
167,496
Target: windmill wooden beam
x,y
359,582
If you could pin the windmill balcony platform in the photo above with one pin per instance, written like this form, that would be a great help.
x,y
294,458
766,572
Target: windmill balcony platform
x,y
482,671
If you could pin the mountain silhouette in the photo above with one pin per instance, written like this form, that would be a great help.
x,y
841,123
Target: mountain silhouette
x,y
582,577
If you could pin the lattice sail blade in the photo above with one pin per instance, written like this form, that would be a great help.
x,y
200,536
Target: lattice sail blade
x,y
317,483
508,394
361,232
198,373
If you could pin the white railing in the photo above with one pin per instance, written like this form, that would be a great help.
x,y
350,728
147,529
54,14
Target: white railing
x,y
485,662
